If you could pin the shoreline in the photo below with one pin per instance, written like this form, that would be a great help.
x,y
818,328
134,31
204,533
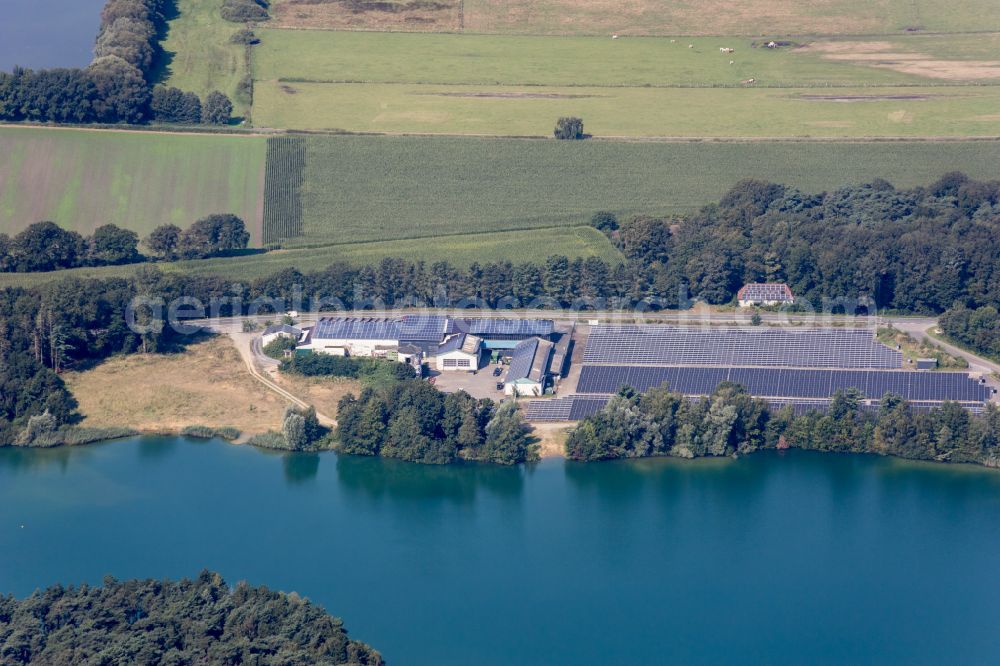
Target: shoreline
x,y
546,454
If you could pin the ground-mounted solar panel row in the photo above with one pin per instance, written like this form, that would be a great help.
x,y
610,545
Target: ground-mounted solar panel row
x,y
786,382
692,345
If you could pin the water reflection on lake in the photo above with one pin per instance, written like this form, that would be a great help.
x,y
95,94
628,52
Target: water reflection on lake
x,y
48,33
775,558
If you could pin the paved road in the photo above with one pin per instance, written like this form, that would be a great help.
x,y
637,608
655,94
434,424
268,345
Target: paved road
x,y
248,345
920,332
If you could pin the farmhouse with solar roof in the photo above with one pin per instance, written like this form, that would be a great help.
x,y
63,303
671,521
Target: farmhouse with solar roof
x,y
765,293
455,344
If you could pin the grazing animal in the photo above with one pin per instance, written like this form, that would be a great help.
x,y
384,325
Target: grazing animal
x,y
772,45
690,46
748,82
732,62
614,36
725,49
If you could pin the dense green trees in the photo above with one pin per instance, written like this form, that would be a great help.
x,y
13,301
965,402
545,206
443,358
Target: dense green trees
x,y
213,236
44,246
977,328
413,421
173,105
569,128
327,365
201,621
730,421
216,109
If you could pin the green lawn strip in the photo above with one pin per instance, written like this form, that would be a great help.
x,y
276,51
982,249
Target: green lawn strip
x,y
633,112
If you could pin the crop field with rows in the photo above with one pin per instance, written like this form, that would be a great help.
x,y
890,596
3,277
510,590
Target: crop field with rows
x,y
286,159
379,188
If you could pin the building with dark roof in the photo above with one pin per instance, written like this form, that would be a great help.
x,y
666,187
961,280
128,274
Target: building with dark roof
x,y
765,293
528,373
275,331
376,336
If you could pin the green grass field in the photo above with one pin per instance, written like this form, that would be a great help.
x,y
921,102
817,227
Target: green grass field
x,y
461,250
329,56
633,112
82,179
200,57
518,85
379,188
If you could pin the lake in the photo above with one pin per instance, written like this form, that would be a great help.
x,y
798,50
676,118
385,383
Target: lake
x,y
48,33
795,558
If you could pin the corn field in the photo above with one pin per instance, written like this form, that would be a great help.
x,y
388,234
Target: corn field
x,y
286,159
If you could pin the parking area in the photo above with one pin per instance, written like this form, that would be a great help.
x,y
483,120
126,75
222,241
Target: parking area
x,y
482,384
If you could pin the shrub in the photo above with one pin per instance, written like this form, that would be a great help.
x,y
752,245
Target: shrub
x,y
240,11
227,433
569,128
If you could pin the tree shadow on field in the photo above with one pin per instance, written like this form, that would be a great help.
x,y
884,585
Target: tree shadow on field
x,y
163,60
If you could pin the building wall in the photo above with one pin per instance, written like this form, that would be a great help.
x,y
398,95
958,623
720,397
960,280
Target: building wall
x,y
523,388
456,361
353,347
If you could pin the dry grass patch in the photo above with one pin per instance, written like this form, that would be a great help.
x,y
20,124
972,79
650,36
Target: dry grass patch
x,y
886,55
206,385
551,439
406,15
661,17
324,393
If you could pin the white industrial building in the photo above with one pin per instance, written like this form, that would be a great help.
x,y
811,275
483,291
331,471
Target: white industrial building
x,y
459,353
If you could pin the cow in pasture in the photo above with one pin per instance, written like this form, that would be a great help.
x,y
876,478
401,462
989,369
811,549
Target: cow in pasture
x,y
748,82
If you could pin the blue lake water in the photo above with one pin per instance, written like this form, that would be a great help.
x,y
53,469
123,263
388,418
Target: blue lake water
x,y
780,559
48,33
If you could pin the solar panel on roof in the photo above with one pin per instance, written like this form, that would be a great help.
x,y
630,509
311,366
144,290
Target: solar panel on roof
x,y
680,345
521,360
504,327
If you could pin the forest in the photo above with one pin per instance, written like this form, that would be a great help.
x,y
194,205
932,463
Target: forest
x,y
730,422
200,621
413,421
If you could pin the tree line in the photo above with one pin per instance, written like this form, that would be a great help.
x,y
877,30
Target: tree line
x,y
730,421
351,367
976,328
200,621
411,420
117,86
45,246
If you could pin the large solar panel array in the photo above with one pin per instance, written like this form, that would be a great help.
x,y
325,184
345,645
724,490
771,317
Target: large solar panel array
x,y
787,382
690,345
